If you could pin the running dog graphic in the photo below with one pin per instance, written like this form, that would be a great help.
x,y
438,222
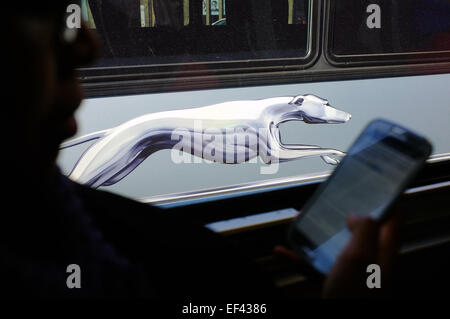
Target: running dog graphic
x,y
250,129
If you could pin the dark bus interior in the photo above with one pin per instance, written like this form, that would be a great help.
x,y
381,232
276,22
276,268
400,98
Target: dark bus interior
x,y
425,234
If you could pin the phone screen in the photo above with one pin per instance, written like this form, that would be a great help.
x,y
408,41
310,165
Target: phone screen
x,y
372,174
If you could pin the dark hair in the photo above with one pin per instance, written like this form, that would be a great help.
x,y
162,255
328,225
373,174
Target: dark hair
x,y
38,9
21,50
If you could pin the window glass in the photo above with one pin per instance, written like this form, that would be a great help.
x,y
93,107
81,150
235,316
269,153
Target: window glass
x,y
298,12
216,15
152,32
390,26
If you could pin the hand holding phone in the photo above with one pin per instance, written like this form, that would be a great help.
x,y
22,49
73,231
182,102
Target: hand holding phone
x,y
375,171
371,243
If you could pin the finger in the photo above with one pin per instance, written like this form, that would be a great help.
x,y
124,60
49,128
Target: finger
x,y
389,232
364,241
287,254
389,242
294,258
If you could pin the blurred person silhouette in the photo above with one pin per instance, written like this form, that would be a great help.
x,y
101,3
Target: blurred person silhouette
x,y
123,248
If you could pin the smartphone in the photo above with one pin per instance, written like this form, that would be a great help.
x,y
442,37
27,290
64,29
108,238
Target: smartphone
x,y
375,171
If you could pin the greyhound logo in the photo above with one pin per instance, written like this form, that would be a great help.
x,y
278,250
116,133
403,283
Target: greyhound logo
x,y
121,149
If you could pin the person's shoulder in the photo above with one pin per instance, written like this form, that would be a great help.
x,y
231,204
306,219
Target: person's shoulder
x,y
123,222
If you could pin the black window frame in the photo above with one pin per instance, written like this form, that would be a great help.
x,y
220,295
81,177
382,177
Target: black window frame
x,y
318,66
372,59
171,77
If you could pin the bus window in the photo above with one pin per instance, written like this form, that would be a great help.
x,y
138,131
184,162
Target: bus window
x,y
298,12
214,12
397,29
161,32
188,63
